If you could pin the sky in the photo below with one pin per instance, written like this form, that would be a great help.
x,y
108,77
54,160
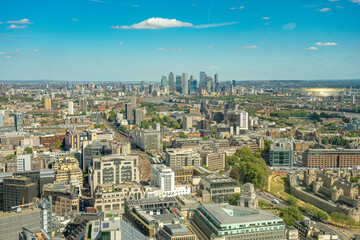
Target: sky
x,y
139,40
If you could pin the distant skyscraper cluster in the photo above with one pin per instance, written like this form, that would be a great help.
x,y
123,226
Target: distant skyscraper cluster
x,y
182,84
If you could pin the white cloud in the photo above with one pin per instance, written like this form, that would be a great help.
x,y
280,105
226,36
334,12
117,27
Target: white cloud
x,y
161,23
22,21
2,53
267,23
324,9
355,1
311,48
161,48
289,26
326,44
249,47
8,56
210,46
121,43
211,25
334,0
266,18
75,19
237,8
339,7
16,26
212,67
36,50
155,23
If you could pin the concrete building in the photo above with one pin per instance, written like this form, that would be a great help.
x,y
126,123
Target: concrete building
x,y
172,86
185,84
176,157
148,140
71,108
139,115
111,197
213,160
23,163
331,158
114,169
67,170
176,232
248,197
64,198
183,175
227,222
281,154
75,139
187,122
217,188
129,112
47,104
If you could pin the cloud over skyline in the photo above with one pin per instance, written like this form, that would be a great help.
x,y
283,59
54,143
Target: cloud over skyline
x,y
289,26
13,26
325,44
22,21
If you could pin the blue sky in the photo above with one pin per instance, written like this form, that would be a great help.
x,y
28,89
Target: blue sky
x,y
134,40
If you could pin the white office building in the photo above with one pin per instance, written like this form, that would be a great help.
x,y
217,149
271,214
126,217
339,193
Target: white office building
x,y
71,108
23,163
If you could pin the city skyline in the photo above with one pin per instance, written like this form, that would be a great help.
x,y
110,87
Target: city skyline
x,y
107,40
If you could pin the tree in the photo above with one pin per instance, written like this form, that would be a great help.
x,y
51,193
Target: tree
x,y
28,150
233,199
58,144
164,145
10,156
321,215
290,215
292,200
122,129
182,135
324,141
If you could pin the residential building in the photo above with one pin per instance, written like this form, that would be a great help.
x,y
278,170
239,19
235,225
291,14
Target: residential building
x,y
281,154
139,115
217,188
177,157
75,139
47,104
19,122
187,122
71,108
129,112
227,222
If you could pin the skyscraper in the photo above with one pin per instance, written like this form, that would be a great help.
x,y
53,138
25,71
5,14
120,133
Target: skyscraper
x,y
202,81
1,118
171,82
216,78
23,163
139,115
193,86
71,108
164,80
178,83
47,103
18,122
129,112
185,84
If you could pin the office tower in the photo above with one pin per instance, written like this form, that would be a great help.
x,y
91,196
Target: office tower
x,y
1,118
177,157
114,169
47,105
178,83
91,149
208,84
193,86
185,84
331,158
139,115
187,122
172,82
67,170
133,100
129,112
162,177
281,154
216,78
213,160
216,221
71,108
219,187
202,81
23,163
18,191
19,122
164,81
